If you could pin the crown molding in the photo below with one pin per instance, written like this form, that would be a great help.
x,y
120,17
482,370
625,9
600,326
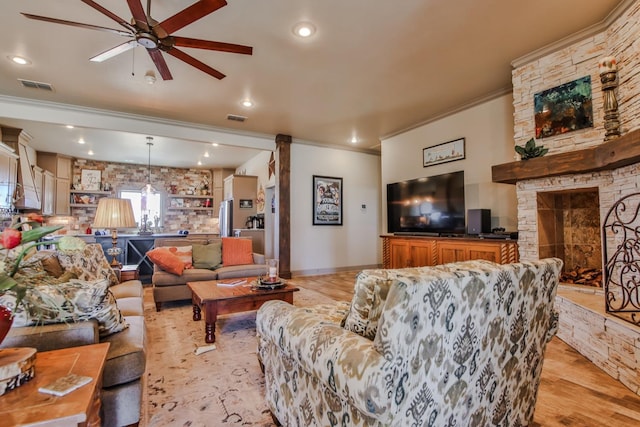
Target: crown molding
x,y
473,103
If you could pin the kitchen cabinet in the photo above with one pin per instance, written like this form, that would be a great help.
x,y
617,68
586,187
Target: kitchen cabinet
x,y
243,190
134,248
217,188
38,176
48,193
419,251
26,196
60,167
8,175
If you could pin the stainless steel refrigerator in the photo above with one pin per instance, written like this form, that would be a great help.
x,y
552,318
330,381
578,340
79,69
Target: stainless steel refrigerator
x,y
225,218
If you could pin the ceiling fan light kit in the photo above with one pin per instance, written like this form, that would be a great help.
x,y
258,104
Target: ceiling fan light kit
x,y
156,36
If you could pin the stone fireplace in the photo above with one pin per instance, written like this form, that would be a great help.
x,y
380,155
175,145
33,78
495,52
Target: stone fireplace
x,y
564,197
563,200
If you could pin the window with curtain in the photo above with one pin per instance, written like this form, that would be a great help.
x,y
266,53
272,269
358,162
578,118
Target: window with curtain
x,y
142,203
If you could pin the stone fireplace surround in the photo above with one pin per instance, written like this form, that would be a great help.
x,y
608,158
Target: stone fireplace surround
x,y
609,172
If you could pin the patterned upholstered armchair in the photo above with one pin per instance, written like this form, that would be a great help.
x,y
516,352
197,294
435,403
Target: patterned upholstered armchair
x,y
458,344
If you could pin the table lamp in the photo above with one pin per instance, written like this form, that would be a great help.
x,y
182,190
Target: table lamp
x,y
113,214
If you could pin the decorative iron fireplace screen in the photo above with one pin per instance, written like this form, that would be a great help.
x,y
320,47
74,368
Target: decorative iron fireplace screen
x,y
621,235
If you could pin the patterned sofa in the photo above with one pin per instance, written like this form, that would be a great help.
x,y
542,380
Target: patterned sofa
x,y
458,344
97,308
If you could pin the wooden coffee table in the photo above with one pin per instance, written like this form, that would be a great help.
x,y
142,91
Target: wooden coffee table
x,y
231,299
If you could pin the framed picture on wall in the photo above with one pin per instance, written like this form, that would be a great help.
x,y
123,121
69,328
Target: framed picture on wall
x,y
90,179
327,200
443,153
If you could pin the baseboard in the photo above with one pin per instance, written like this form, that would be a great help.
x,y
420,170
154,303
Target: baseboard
x,y
321,271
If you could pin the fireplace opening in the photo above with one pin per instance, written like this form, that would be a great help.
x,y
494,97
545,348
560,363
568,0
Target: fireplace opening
x,y
569,229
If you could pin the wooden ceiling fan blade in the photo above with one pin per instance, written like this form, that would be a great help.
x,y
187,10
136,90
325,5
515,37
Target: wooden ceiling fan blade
x,y
191,14
195,63
161,64
114,51
211,45
77,24
110,14
135,6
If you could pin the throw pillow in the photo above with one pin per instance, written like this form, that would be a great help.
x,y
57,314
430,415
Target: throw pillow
x,y
166,260
72,301
208,256
88,264
236,251
184,253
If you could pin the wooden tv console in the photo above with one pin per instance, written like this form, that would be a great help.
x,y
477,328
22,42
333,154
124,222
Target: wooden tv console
x,y
419,251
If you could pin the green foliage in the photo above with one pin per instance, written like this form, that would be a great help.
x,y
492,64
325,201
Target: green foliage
x,y
530,150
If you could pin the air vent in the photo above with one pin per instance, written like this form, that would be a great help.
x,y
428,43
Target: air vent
x,y
236,118
36,85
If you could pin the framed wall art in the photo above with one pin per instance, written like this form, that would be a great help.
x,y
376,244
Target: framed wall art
x,y
90,179
564,108
327,200
443,153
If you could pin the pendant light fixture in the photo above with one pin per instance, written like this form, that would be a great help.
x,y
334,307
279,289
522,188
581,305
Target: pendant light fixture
x,y
148,189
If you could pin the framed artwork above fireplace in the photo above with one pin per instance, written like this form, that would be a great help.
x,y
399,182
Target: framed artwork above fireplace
x,y
564,108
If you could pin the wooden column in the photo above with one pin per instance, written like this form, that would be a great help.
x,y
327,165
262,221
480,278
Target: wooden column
x,y
283,149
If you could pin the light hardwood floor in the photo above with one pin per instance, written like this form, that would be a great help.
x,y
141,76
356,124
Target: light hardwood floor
x,y
573,391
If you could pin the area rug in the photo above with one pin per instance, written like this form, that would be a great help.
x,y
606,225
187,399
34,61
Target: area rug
x,y
222,387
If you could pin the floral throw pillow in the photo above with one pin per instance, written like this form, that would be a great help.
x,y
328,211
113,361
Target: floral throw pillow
x,y
73,301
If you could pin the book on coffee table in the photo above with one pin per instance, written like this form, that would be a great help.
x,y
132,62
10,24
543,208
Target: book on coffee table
x,y
65,385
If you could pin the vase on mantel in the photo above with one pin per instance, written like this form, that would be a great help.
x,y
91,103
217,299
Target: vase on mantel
x,y
6,320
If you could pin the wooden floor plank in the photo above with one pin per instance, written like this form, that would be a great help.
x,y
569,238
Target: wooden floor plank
x,y
573,391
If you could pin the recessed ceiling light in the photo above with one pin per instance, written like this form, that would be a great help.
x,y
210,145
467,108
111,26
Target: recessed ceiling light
x,y
304,29
81,141
247,103
199,163
69,126
90,152
215,144
19,60
354,140
206,154
150,77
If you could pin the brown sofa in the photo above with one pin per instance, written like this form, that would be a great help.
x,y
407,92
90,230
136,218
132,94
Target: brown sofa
x,y
171,287
121,393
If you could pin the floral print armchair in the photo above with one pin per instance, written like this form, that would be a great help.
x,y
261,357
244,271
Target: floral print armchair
x,y
459,344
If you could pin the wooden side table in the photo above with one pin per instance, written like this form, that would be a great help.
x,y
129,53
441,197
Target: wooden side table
x,y
129,272
27,406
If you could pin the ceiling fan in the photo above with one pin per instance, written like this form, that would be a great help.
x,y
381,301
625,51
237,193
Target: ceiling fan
x,y
156,36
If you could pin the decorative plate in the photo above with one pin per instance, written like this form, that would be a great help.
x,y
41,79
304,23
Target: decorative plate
x,y
265,284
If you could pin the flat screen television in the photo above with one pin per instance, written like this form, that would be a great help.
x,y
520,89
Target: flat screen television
x,y
430,205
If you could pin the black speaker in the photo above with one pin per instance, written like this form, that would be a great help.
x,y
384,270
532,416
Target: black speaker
x,y
478,221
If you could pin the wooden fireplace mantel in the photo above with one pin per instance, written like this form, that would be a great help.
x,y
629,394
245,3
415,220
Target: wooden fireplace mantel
x,y
619,152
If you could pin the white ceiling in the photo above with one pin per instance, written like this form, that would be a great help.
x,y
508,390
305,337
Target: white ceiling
x,y
374,68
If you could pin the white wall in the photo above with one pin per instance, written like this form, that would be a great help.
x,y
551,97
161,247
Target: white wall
x,y
355,244
488,130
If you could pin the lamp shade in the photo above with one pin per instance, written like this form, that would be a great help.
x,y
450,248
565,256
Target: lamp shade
x,y
114,213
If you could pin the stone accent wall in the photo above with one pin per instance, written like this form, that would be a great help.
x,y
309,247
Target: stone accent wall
x,y
610,343
134,177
